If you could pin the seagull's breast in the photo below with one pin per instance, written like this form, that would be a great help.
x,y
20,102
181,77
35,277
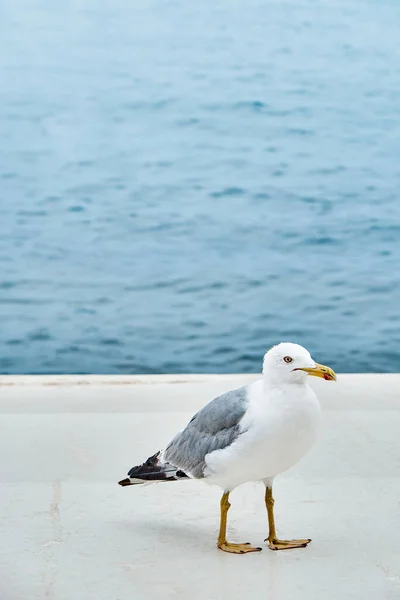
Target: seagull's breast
x,y
278,429
282,427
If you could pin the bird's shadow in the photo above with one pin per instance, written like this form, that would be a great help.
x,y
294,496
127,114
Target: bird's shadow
x,y
180,535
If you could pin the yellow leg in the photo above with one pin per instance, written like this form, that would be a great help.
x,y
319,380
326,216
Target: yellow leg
x,y
222,543
273,541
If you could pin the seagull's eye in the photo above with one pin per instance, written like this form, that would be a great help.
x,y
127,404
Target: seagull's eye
x,y
288,359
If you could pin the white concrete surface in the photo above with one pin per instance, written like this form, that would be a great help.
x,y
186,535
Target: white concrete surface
x,y
68,532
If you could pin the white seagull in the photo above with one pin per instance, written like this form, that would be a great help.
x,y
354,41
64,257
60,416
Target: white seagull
x,y
249,434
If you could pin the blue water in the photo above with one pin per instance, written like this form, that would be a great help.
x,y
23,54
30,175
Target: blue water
x,y
183,184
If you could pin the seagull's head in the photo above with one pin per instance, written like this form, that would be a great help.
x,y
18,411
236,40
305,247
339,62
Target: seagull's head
x,y
291,363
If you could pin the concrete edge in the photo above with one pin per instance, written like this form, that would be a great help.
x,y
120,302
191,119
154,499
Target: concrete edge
x,y
80,380
119,380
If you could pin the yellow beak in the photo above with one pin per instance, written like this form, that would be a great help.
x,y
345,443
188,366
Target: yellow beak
x,y
320,371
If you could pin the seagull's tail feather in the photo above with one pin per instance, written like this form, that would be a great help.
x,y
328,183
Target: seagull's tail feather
x,y
154,469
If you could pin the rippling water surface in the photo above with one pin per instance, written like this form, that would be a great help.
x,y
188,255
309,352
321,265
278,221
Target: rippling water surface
x,y
183,184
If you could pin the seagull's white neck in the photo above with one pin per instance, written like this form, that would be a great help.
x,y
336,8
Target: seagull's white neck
x,y
271,381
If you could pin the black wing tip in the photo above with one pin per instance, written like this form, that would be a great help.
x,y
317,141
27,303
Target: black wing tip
x,y
153,470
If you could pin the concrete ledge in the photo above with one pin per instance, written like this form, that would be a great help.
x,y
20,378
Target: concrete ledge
x,y
69,532
44,380
361,379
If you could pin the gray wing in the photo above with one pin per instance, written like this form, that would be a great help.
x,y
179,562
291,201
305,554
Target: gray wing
x,y
214,427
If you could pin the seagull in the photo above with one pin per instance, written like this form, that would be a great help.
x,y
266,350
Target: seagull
x,y
250,434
